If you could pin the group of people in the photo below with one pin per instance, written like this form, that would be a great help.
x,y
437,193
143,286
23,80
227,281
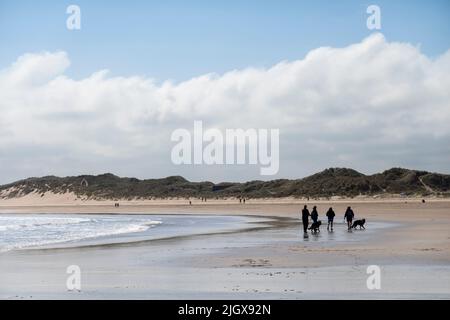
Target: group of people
x,y
348,216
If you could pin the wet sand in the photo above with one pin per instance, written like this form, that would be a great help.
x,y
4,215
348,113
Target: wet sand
x,y
409,241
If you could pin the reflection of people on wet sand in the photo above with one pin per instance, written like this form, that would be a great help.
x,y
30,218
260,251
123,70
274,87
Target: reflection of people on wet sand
x,y
349,217
330,216
305,218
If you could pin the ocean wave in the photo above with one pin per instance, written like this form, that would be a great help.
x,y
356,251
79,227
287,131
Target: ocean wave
x,y
16,223
38,231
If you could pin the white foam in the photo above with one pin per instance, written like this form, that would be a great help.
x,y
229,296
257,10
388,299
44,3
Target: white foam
x,y
18,232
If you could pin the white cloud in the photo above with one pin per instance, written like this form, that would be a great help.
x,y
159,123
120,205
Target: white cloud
x,y
34,69
370,105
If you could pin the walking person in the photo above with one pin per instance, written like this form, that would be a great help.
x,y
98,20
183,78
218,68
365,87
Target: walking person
x,y
314,214
305,218
349,215
330,216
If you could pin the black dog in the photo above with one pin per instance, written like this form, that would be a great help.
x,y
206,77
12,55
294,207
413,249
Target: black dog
x,y
359,223
315,227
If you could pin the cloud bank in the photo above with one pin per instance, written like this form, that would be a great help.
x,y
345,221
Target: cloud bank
x,y
370,106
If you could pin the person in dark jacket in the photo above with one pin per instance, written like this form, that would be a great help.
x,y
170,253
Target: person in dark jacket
x,y
305,218
314,214
330,216
349,215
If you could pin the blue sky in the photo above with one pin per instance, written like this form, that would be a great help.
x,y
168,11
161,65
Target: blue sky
x,y
181,39
340,94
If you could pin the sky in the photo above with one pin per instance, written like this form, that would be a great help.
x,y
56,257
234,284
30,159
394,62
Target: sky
x,y
107,97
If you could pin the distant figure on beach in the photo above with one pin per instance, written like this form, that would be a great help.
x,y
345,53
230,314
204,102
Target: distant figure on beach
x,y
240,200
349,215
116,205
330,216
314,214
305,218
243,200
190,202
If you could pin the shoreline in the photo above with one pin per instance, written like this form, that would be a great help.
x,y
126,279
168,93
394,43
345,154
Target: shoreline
x,y
248,224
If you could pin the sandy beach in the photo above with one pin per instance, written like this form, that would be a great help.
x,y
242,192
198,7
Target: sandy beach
x,y
165,150
264,256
